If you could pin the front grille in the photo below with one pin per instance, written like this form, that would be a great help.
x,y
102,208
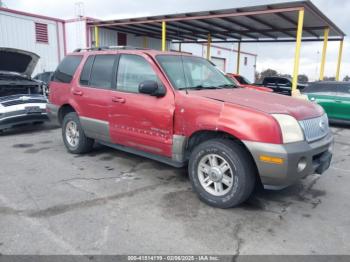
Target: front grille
x,y
315,128
20,102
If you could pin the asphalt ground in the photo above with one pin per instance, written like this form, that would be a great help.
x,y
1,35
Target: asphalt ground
x,y
110,202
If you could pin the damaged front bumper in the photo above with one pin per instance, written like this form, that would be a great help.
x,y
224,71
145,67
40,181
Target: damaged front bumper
x,y
292,161
23,110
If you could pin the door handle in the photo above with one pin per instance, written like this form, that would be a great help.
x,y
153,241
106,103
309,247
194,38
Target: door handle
x,y
312,99
119,100
338,101
78,93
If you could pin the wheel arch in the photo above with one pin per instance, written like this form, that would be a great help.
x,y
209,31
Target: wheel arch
x,y
201,136
64,110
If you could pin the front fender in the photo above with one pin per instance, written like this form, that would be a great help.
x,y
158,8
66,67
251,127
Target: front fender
x,y
249,125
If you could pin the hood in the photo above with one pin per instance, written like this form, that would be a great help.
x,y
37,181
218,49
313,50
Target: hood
x,y
263,101
259,88
19,61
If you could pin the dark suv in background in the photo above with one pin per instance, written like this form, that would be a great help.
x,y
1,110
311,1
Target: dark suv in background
x,y
281,85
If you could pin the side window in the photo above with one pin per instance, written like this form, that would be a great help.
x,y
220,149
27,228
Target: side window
x,y
343,89
270,81
85,74
102,71
283,83
66,69
133,70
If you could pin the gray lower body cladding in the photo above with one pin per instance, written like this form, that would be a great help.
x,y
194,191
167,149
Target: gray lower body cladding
x,y
316,157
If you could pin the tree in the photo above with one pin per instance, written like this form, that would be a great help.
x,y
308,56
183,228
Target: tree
x,y
346,79
303,78
266,73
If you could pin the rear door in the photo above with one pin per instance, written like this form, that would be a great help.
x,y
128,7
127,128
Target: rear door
x,y
138,120
325,95
93,95
342,102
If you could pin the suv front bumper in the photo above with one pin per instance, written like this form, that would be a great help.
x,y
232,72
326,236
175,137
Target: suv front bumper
x,y
316,158
13,118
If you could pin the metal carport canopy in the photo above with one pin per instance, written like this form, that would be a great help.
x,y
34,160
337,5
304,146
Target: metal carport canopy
x,y
293,21
267,22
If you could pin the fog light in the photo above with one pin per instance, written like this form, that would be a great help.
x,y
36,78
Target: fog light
x,y
302,164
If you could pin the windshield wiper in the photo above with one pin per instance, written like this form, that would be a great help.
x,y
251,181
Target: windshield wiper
x,y
227,86
200,87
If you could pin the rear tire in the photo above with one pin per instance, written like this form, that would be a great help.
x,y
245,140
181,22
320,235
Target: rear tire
x,y
73,135
222,173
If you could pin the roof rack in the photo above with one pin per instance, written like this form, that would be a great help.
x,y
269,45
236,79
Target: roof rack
x,y
109,48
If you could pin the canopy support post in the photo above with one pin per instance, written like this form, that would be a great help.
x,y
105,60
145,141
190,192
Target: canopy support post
x,y
209,46
297,50
163,36
324,53
238,58
340,55
97,44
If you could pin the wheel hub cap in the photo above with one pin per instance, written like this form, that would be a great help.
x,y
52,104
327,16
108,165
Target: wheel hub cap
x,y
215,175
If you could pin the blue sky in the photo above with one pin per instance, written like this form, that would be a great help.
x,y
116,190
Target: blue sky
x,y
276,56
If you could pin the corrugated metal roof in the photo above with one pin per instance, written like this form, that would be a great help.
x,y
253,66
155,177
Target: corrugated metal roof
x,y
270,21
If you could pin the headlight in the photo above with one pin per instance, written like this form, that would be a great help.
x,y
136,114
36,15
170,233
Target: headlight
x,y
290,128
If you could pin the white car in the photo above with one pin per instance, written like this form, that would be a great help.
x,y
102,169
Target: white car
x,y
21,98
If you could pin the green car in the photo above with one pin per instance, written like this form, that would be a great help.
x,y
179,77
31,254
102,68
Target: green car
x,y
334,97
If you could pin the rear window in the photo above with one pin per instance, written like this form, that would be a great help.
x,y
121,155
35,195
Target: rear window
x,y
66,70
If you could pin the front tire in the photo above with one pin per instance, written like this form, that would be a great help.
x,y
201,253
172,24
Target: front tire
x,y
73,135
222,173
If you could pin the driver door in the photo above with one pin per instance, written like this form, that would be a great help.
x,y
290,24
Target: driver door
x,y
138,120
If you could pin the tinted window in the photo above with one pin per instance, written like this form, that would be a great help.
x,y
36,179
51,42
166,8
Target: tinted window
x,y
132,71
102,71
345,89
284,82
66,70
270,81
85,74
320,88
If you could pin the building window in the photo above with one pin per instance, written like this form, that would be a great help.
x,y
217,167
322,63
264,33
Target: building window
x,y
41,33
122,39
245,61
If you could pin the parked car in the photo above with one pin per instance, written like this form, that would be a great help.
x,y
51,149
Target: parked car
x,y
281,85
334,97
243,82
181,110
21,97
44,78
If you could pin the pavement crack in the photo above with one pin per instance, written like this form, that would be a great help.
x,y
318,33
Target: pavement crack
x,y
240,241
64,208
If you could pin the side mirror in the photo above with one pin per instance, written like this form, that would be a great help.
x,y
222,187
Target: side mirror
x,y
152,88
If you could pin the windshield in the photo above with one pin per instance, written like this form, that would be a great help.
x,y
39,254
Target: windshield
x,y
189,72
243,81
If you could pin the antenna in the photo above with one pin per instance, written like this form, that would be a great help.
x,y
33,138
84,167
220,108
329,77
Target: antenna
x,y
79,9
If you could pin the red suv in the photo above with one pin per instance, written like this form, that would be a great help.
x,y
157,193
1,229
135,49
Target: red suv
x,y
180,110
